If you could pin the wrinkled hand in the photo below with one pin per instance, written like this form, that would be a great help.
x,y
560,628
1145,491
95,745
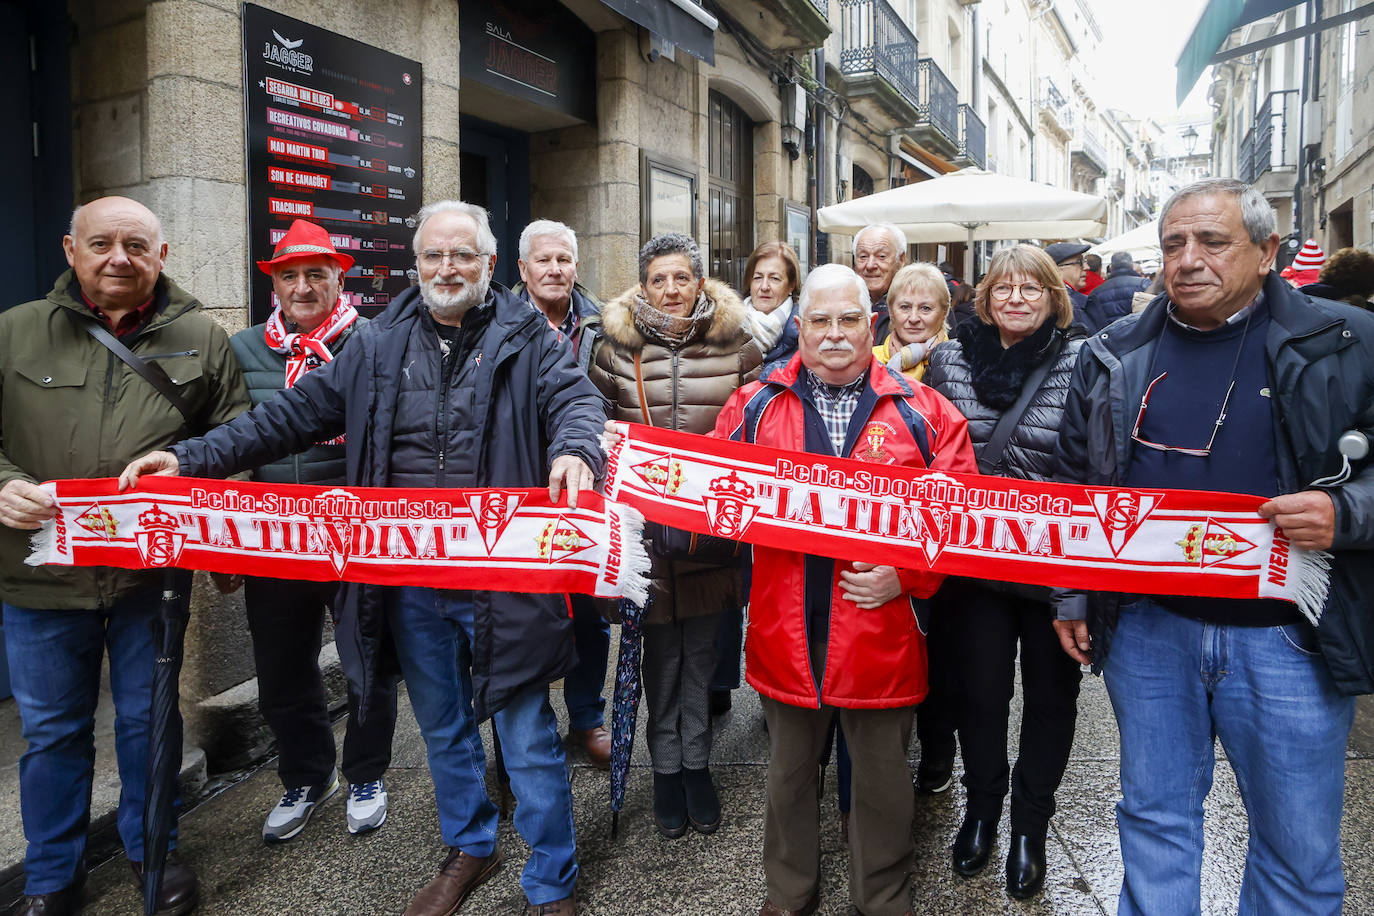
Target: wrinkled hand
x,y
227,583
612,434
572,474
1073,636
1308,519
162,464
870,586
25,505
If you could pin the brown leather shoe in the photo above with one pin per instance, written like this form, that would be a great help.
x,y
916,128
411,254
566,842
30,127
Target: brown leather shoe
x,y
565,907
458,876
180,891
597,743
66,902
772,909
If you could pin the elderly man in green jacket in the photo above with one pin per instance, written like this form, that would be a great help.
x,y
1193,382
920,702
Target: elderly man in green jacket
x,y
71,408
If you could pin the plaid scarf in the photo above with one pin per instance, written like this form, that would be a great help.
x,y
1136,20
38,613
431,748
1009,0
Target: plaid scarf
x,y
304,352
674,330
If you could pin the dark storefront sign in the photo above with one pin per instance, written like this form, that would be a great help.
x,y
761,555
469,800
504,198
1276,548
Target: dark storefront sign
x,y
531,49
334,136
693,30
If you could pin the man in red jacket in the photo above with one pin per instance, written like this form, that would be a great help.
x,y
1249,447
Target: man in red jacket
x,y
826,634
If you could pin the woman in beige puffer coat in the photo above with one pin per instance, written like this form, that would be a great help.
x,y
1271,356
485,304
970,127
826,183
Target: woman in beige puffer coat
x,y
670,353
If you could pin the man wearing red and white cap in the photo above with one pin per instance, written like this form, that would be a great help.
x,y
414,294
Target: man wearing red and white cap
x,y
1306,266
311,323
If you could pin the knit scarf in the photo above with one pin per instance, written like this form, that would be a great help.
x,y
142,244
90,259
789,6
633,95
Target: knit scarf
x,y
767,326
998,372
674,330
308,351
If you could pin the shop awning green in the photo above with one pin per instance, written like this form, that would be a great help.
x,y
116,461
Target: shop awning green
x,y
1219,19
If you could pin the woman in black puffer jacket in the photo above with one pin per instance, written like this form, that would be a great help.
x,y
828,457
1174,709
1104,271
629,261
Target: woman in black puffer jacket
x,y
1024,325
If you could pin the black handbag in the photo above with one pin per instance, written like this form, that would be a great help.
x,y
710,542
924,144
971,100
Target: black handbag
x,y
671,543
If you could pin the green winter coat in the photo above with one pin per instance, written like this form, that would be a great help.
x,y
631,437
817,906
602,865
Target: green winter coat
x,y
70,408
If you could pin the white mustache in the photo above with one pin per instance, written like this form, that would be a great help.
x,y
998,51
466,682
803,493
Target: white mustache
x,y
839,346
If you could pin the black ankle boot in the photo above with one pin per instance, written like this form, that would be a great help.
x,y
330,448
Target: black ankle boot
x,y
670,805
1025,866
703,806
973,845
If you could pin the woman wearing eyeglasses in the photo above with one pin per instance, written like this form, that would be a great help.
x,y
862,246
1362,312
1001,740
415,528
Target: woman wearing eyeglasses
x,y
1008,373
672,351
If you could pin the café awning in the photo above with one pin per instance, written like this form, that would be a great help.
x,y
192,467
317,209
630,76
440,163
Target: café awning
x,y
683,22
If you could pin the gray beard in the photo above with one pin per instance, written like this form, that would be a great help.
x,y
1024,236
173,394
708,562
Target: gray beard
x,y
449,307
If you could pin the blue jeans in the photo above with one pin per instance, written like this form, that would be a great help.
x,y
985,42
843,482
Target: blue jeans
x,y
1178,684
582,686
432,629
54,661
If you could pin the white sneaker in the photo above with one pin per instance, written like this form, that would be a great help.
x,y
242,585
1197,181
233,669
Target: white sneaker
x,y
292,813
366,806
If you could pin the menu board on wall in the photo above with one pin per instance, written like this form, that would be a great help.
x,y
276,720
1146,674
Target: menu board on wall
x,y
334,136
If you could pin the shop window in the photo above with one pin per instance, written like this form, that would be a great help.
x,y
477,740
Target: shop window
x,y
731,190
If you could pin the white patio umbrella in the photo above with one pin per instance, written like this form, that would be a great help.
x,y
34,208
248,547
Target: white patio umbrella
x,y
971,205
1142,242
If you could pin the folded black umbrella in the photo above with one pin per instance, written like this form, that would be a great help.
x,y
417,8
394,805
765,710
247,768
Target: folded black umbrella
x,y
164,733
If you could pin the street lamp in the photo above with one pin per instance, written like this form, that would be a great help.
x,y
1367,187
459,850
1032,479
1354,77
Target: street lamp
x,y
1189,136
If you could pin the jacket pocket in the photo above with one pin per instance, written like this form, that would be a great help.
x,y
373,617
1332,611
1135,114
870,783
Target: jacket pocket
x,y
48,374
182,369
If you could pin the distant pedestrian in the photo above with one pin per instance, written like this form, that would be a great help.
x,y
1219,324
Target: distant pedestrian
x,y
1348,276
1068,257
1306,267
1113,298
1092,276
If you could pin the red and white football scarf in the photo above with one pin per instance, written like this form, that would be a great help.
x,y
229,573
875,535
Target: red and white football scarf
x,y
304,352
1165,542
498,540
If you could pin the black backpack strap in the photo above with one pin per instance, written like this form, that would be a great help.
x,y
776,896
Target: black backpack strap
x,y
1006,424
151,373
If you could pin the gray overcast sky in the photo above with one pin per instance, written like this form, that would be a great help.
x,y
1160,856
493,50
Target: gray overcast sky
x,y
1134,64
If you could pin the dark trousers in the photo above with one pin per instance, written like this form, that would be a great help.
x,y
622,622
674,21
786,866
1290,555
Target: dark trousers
x,y
582,687
937,716
990,626
286,619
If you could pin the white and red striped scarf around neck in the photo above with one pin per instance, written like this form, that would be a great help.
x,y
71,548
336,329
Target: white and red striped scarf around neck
x,y
304,352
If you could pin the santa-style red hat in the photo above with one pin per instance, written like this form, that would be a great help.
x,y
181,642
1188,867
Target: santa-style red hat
x,y
305,240
1311,257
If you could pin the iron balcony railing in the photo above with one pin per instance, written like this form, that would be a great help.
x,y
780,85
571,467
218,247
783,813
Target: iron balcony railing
x,y
1056,102
1272,125
1094,148
973,137
1245,157
823,6
874,40
938,100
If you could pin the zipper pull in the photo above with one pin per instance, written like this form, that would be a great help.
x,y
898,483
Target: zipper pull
x,y
441,459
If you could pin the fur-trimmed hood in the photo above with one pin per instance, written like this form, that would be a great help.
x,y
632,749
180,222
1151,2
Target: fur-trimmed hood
x,y
618,325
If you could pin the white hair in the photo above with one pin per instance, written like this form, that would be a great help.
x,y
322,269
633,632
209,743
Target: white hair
x,y
486,241
897,236
545,227
833,276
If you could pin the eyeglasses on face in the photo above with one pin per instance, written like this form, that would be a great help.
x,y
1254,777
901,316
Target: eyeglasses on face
x,y
850,321
1031,292
463,257
1195,452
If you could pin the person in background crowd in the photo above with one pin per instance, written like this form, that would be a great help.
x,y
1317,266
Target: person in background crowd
x,y
548,281
1092,276
947,271
309,327
1007,374
1289,376
774,276
918,303
1113,298
1306,267
961,305
672,352
1068,256
406,393
72,409
1142,298
879,252
1348,276
846,642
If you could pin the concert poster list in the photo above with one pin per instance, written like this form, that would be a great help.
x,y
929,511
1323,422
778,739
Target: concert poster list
x,y
334,136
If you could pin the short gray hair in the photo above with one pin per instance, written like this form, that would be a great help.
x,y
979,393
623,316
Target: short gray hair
x,y
1255,212
897,236
542,227
670,243
486,241
833,276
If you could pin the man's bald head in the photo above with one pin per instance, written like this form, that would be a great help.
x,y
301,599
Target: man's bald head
x,y
115,247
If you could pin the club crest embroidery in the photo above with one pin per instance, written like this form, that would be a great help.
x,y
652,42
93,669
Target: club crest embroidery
x,y
159,541
333,535
1121,513
876,434
98,520
728,510
493,511
663,474
561,539
1213,543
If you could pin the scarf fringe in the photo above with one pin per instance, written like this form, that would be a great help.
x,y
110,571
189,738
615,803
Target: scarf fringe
x,y
635,561
1311,570
41,545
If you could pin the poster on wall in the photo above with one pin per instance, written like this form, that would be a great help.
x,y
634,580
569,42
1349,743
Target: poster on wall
x,y
333,136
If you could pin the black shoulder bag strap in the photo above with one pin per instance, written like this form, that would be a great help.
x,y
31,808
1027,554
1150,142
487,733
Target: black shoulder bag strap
x,y
1006,425
151,373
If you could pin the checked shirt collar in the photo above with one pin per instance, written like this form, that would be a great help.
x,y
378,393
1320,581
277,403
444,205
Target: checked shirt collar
x,y
836,405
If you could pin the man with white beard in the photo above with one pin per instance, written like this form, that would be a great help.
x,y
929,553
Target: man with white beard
x,y
457,384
